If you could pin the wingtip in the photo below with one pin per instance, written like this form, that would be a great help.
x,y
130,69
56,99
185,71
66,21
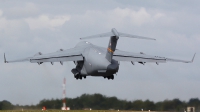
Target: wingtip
x,y
193,57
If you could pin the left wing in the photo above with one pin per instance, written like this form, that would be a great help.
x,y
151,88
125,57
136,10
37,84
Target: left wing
x,y
143,58
74,54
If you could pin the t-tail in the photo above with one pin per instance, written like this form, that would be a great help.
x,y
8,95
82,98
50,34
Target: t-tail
x,y
114,36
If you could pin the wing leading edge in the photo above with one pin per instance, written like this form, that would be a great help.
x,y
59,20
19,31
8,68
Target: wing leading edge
x,y
143,58
74,54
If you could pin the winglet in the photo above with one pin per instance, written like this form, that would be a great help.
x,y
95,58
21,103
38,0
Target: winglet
x,y
5,58
193,58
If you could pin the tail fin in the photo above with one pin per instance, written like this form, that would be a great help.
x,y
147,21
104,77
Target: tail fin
x,y
111,47
114,36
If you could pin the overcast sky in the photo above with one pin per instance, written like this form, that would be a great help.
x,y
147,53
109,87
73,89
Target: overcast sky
x,y
28,27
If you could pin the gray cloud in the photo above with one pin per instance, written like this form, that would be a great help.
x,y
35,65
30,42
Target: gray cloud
x,y
46,26
25,10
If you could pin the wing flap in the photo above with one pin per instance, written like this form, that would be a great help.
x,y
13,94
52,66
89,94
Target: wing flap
x,y
138,59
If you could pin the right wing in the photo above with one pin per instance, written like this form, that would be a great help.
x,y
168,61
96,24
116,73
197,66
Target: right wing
x,y
74,54
143,58
136,57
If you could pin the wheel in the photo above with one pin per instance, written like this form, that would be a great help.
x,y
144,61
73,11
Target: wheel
x,y
112,77
77,77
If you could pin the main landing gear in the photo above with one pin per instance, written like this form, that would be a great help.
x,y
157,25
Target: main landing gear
x,y
79,77
109,77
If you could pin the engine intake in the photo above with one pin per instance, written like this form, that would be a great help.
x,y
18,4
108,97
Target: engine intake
x,y
75,71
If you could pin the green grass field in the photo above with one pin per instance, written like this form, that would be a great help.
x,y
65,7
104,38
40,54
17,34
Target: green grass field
x,y
73,111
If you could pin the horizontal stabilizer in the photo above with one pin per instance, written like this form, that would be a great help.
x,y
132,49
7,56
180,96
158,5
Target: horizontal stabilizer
x,y
114,32
99,35
134,36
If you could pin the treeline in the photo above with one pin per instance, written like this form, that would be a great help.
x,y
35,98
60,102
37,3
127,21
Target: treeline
x,y
101,102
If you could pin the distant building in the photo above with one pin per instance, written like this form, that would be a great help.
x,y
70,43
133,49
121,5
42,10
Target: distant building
x,y
190,109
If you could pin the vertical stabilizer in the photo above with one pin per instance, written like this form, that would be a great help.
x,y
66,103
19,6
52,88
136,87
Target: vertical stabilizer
x,y
112,45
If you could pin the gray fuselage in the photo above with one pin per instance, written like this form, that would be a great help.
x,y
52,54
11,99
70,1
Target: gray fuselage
x,y
95,63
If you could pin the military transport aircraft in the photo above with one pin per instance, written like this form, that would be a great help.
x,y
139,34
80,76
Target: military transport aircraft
x,y
92,60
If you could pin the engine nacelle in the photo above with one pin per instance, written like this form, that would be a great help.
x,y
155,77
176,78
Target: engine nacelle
x,y
75,71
